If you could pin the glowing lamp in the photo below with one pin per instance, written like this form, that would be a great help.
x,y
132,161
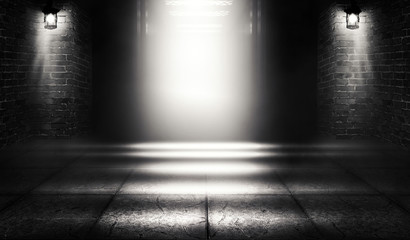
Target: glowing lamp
x,y
352,16
50,16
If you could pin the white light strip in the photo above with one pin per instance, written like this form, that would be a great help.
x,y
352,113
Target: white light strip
x,y
199,154
199,13
199,26
201,146
202,187
198,3
199,31
202,168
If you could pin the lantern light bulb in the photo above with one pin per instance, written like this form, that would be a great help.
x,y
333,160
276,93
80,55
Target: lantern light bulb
x,y
50,19
353,19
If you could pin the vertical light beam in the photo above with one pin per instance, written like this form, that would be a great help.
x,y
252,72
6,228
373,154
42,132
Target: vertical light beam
x,y
197,83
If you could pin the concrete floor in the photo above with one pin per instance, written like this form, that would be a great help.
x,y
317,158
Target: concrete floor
x,y
58,189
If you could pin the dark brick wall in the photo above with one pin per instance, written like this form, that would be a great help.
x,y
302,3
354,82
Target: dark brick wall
x,y
326,68
46,82
13,81
391,61
363,75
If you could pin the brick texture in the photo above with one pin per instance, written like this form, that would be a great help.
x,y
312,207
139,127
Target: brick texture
x,y
391,60
363,74
45,74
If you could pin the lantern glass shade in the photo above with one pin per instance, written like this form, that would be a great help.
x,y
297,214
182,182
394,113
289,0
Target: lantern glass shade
x,y
352,20
50,20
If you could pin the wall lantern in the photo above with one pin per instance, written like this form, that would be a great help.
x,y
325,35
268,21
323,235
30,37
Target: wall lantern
x,y
352,16
50,16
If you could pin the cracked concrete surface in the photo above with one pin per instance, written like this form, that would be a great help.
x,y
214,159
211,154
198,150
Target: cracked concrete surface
x,y
153,217
66,190
258,217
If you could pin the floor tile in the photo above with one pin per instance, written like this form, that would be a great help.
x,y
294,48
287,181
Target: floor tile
x,y
108,161
165,198
85,181
258,217
142,182
153,217
356,217
371,160
19,181
4,200
41,160
263,183
391,181
51,217
322,181
303,161
404,200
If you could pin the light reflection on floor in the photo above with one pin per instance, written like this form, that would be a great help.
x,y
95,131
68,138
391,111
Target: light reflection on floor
x,y
207,168
204,159
240,146
302,193
201,168
200,154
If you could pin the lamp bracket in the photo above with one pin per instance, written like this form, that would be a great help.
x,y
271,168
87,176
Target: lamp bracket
x,y
49,8
353,8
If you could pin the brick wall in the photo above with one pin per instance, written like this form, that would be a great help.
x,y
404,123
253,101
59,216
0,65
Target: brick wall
x,y
326,68
391,60
363,88
13,81
46,82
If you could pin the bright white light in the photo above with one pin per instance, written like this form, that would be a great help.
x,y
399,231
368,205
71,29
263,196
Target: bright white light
x,y
200,154
217,188
198,72
199,28
51,19
237,188
201,187
170,187
202,146
353,19
198,3
202,168
199,31
182,13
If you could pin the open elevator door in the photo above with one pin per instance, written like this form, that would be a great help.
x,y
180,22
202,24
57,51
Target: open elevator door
x,y
197,81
